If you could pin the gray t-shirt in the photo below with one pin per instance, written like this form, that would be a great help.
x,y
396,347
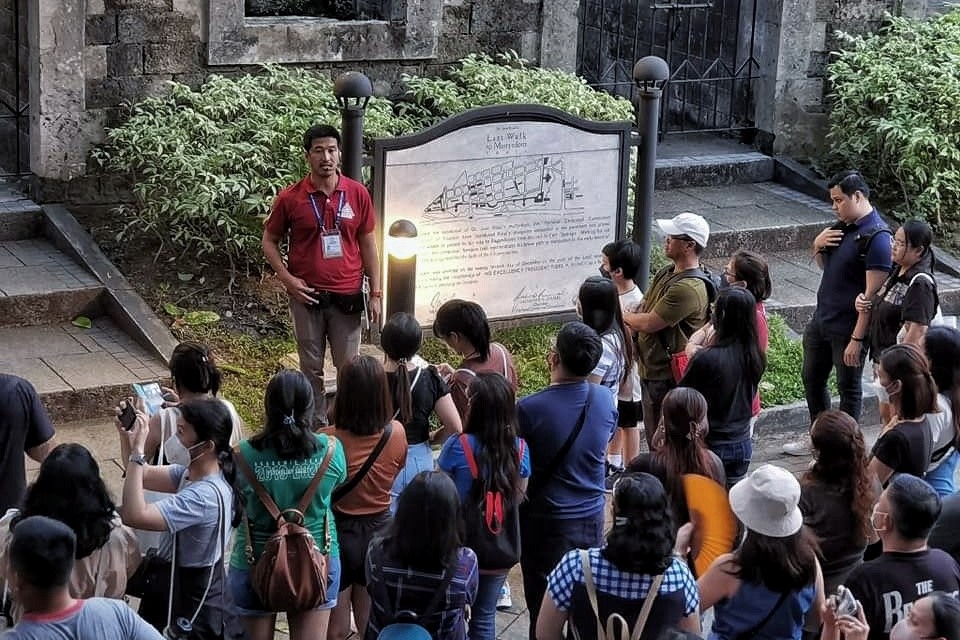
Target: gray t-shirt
x,y
100,618
192,513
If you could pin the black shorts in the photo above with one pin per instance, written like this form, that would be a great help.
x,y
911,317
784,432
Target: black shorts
x,y
353,535
631,413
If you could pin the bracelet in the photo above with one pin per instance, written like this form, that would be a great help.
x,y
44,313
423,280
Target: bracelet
x,y
856,339
137,458
376,293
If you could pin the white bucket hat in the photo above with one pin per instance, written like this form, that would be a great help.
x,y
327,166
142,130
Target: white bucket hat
x,y
766,502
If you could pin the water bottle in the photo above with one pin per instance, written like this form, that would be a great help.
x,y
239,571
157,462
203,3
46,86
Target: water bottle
x,y
179,629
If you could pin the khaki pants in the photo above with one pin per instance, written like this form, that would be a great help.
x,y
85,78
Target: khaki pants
x,y
313,328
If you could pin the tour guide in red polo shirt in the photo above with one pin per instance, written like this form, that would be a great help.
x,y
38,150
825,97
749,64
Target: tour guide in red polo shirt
x,y
330,222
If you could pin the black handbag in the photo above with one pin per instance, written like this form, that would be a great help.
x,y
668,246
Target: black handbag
x,y
152,577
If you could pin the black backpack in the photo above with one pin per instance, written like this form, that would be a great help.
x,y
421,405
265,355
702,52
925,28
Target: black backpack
x,y
493,528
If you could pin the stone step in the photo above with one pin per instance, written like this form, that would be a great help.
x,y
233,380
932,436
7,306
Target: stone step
x,y
41,285
20,220
79,373
714,169
763,216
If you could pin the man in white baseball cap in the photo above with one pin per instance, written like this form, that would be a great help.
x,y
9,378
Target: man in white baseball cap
x,y
676,304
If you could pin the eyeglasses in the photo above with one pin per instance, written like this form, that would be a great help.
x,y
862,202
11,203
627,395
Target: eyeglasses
x,y
680,238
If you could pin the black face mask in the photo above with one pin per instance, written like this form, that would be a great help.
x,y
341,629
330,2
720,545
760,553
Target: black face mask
x,y
605,273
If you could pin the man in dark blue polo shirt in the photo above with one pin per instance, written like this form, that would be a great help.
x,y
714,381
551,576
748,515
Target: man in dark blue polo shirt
x,y
855,257
567,427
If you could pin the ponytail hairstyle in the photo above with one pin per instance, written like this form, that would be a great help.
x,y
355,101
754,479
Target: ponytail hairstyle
x,y
363,400
684,413
468,320
641,540
211,420
600,308
193,369
401,339
918,391
289,409
492,420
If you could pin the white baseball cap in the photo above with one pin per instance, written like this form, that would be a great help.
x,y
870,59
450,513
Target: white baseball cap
x,y
687,224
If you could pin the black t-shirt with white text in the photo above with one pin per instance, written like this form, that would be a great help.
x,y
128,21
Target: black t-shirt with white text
x,y
888,586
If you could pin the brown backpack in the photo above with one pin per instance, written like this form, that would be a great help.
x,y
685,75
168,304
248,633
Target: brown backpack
x,y
291,574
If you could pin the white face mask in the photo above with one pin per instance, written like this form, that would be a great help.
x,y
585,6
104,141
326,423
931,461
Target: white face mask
x,y
176,452
883,395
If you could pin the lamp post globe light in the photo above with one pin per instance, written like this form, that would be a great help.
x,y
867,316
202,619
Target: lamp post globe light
x,y
650,74
353,91
401,268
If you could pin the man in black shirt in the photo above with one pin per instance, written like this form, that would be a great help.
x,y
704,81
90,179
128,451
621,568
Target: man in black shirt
x,y
907,569
24,428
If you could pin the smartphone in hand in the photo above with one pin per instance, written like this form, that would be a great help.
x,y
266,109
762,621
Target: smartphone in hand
x,y
127,417
152,396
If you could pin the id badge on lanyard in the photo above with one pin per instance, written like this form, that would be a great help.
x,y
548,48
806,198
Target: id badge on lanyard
x,y
331,244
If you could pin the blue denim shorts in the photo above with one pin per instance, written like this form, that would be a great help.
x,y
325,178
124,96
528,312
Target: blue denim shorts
x,y
245,600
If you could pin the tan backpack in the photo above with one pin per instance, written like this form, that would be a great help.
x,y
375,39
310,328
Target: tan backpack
x,y
291,574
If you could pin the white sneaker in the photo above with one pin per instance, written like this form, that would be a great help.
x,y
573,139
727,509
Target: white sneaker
x,y
798,448
504,602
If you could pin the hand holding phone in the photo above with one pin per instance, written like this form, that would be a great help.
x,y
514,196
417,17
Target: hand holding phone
x,y
128,416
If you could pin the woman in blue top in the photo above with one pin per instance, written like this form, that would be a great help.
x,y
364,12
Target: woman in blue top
x,y
765,588
503,463
942,347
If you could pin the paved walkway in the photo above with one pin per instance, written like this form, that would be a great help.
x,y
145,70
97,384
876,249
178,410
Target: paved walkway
x,y
100,437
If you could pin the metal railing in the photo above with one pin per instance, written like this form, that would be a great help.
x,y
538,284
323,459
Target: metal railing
x,y
710,47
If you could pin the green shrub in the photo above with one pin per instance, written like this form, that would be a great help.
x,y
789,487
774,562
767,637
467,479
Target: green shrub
x,y
895,100
205,164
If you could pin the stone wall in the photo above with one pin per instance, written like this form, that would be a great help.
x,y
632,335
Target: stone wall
x,y
792,97
127,50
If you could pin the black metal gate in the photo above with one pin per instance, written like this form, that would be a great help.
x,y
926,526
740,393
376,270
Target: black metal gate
x,y
14,90
710,46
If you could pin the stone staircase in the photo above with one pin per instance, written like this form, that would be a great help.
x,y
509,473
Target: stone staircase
x,y
742,195
772,206
51,272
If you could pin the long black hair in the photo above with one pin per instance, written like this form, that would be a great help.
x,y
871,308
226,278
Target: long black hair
x,y
289,406
492,420
641,540
363,399
427,529
211,421
780,564
735,327
600,307
69,489
401,339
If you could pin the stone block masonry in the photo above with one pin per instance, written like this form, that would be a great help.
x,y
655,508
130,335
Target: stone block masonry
x,y
119,52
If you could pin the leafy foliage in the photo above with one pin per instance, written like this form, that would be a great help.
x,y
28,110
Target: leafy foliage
x,y
205,164
896,96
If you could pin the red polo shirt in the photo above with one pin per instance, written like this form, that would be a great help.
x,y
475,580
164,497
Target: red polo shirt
x,y
293,213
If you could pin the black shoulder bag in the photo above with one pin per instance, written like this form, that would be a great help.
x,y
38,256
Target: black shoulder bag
x,y
352,483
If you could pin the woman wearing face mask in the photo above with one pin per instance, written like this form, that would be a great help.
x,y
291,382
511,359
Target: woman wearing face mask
x,y
932,617
906,303
905,444
203,506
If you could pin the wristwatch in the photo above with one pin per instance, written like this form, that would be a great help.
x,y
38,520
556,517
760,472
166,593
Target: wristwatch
x,y
138,458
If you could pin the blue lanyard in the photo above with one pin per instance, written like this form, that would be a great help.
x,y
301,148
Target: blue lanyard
x,y
337,219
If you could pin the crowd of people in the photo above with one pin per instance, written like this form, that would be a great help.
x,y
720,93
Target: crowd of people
x,y
623,490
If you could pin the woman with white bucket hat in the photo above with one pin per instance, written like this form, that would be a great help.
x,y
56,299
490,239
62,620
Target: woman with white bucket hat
x,y
764,589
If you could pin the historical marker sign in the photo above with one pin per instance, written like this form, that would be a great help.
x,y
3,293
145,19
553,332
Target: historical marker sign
x,y
512,205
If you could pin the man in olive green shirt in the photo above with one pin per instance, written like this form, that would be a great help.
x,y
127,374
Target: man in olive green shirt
x,y
676,304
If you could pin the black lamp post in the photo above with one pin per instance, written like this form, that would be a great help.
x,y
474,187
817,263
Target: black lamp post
x,y
353,91
650,73
401,267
